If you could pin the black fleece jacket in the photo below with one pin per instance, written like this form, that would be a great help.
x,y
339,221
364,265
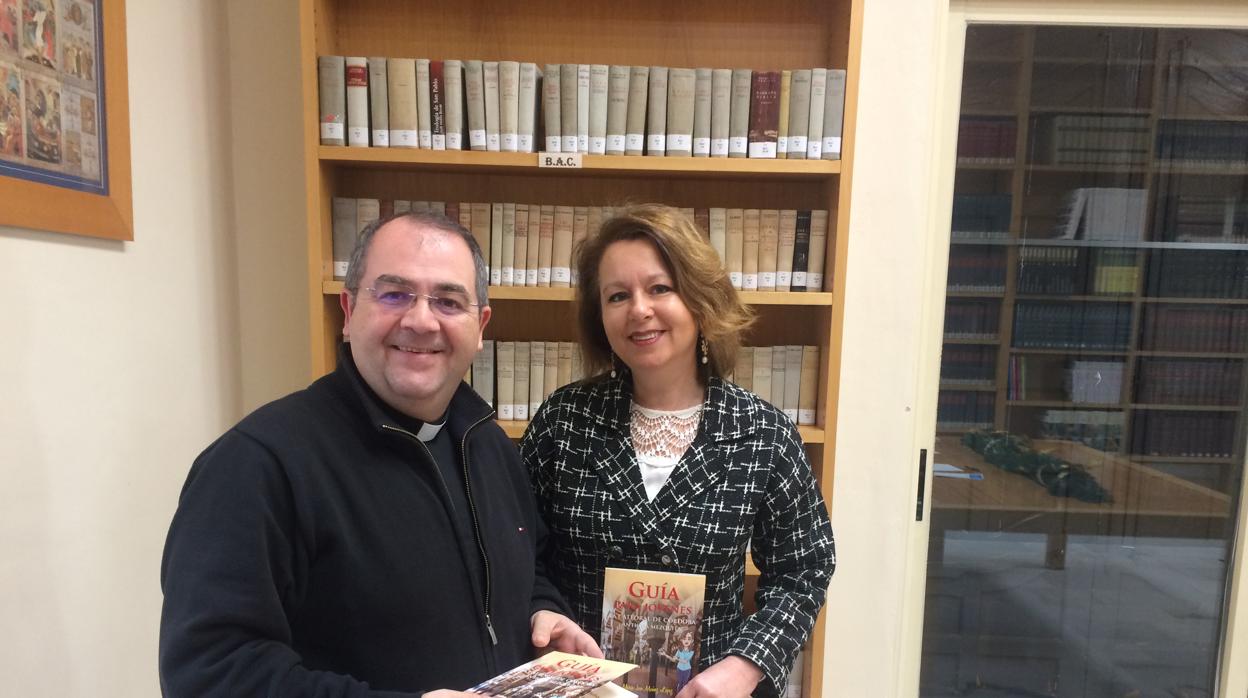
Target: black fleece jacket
x,y
313,553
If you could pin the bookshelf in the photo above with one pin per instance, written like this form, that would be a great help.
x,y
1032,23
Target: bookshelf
x,y
1153,297
699,33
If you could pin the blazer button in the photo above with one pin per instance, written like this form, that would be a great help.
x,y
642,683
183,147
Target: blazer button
x,y
616,552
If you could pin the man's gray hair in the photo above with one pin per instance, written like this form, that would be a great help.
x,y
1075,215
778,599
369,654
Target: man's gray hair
x,y
426,219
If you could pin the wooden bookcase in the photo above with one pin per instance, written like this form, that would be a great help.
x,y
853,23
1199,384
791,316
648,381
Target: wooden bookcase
x,y
1028,79
698,33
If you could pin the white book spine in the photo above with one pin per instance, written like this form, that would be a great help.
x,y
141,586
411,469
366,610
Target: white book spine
x,y
582,108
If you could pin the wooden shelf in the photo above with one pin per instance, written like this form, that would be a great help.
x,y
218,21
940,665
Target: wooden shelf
x,y
567,295
469,161
809,434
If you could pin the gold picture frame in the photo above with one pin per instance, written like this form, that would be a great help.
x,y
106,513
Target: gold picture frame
x,y
47,199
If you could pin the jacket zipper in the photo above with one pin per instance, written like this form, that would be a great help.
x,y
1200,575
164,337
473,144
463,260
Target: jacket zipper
x,y
472,507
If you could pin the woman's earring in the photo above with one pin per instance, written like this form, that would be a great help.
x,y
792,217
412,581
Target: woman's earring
x,y
704,349
613,372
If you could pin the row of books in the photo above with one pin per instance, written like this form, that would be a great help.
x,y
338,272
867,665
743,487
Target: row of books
x,y
1045,325
583,108
1083,381
1104,213
967,318
1076,271
533,245
1212,142
977,269
1184,434
1198,274
957,409
515,377
981,213
1099,429
968,363
1203,217
987,140
1189,382
1212,329
1098,139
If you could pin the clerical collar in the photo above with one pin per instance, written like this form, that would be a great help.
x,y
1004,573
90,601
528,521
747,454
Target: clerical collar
x,y
429,432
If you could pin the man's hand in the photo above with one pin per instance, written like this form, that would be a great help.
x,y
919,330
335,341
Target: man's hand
x,y
557,632
730,677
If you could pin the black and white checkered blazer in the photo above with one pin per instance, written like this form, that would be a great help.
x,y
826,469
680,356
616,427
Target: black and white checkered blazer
x,y
744,479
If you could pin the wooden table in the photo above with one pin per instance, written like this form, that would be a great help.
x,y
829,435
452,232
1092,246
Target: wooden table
x,y
1146,501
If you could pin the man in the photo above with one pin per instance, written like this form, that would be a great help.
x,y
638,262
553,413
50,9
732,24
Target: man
x,y
373,534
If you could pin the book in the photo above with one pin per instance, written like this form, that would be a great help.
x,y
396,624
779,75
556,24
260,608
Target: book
x,y
505,381
378,102
367,211
534,252
799,113
681,86
801,250
717,226
580,231
768,248
739,114
551,108
483,371
702,113
782,125
357,101
617,109
735,245
342,215
567,107
834,114
520,246
465,216
424,112
792,381
527,107
493,138
598,86
762,372
721,99
764,114
474,91
784,249
808,385
561,249
582,108
496,244
437,103
553,675
481,230
818,241
545,245
537,375
635,123
749,249
550,374
453,84
564,374
332,95
814,127
508,106
778,375
656,112
743,370
520,389
508,257
653,620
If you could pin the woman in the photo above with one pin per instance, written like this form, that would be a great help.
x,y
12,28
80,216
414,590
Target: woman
x,y
659,463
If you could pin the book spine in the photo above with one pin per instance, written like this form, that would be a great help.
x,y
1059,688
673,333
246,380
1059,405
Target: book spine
x,y
792,381
818,241
702,113
551,108
401,78
537,376
561,251
453,82
566,349
762,372
567,107
424,114
509,245
814,128
681,85
496,244
743,372
656,112
784,249
599,79
736,246
521,246
474,88
749,249
493,139
483,372
739,114
582,108
721,112
367,211
782,125
718,227
378,102
527,105
509,107
331,76
834,116
550,374
357,100
437,103
546,245
481,230
533,256
799,114
779,357
768,247
505,387
342,213
764,114
807,395
520,388
801,250
617,109
635,124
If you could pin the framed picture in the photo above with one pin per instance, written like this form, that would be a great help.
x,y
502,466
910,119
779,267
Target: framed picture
x,y
65,117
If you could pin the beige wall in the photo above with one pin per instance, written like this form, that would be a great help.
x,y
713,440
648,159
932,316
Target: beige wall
x,y
120,362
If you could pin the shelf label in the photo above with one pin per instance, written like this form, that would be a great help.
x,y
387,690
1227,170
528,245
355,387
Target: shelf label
x,y
567,161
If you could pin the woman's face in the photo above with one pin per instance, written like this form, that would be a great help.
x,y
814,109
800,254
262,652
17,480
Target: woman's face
x,y
646,322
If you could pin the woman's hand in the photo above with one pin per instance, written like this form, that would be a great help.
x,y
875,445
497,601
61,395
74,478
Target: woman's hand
x,y
730,677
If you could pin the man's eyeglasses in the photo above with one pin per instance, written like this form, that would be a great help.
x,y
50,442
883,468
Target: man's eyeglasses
x,y
399,298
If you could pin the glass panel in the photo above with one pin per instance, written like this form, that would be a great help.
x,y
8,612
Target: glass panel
x,y
1091,415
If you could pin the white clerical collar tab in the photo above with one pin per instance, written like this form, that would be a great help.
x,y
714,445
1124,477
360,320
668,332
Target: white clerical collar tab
x,y
428,432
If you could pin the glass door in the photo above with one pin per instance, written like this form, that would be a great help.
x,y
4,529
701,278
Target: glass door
x,y
1091,415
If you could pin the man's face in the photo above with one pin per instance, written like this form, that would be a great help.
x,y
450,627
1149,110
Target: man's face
x,y
414,356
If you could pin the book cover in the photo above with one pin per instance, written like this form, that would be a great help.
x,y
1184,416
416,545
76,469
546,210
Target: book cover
x,y
567,107
580,231
598,84
520,389
553,675
653,620
799,113
656,112
357,101
424,108
545,245
735,245
768,248
582,108
814,127
792,380
527,107
489,72
801,250
702,113
550,374
551,106
564,374
342,211
453,83
617,109
635,123
509,106
808,386
378,102
749,249
508,257
764,114
739,113
718,228
778,374
505,381
681,86
784,249
743,371
721,99
561,250
474,88
481,229
833,114
437,103
762,372
818,243
496,244
521,246
532,257
537,375
367,211
782,128
331,77
483,371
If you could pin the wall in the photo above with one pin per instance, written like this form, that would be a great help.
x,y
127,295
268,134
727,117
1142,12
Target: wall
x,y
122,361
